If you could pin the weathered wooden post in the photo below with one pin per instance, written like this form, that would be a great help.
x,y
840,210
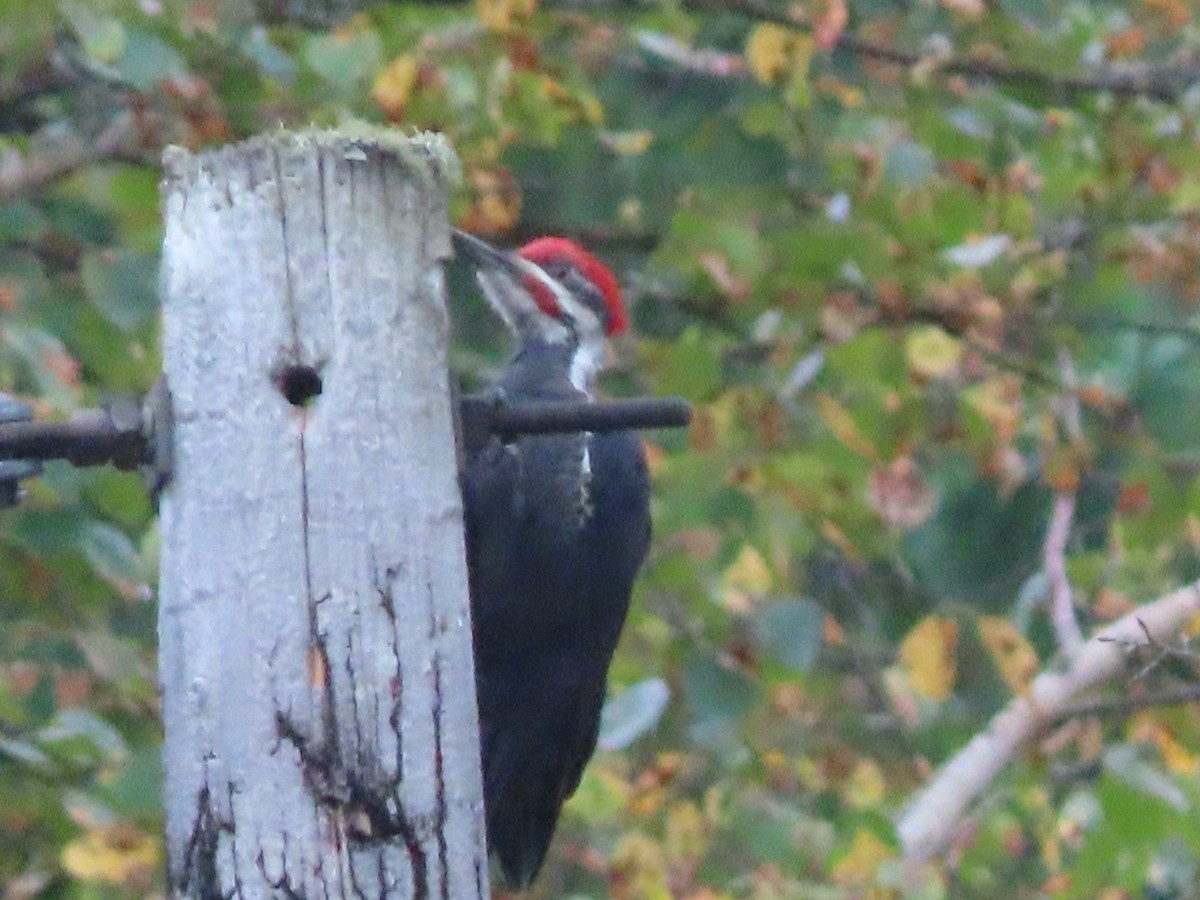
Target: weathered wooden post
x,y
321,736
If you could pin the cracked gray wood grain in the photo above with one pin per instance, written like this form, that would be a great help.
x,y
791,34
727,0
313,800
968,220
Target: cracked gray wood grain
x,y
315,647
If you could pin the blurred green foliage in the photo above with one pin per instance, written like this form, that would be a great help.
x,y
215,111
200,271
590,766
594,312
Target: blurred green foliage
x,y
914,297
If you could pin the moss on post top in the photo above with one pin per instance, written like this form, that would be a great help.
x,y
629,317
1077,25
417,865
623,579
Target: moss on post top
x,y
426,154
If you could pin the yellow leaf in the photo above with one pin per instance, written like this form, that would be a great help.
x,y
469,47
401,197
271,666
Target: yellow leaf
x,y
602,793
998,400
1175,756
839,539
119,854
553,90
1052,853
1191,627
639,869
839,420
502,15
1013,655
746,580
687,833
593,111
927,655
769,52
647,802
798,94
859,864
972,9
848,95
496,202
394,86
931,353
713,422
866,785
1146,727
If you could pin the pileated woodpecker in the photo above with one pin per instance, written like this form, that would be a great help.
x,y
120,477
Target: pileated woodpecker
x,y
557,527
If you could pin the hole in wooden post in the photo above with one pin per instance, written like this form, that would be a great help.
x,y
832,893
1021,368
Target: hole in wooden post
x,y
298,384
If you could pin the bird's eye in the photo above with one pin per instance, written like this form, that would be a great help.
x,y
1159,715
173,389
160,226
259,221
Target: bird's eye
x,y
558,271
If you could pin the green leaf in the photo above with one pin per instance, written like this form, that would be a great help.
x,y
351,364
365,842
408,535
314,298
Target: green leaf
x,y
978,545
792,632
908,164
25,752
1126,763
119,497
114,659
1169,385
775,831
81,220
344,60
690,366
272,62
111,554
81,738
716,691
12,713
103,37
47,361
148,60
123,284
20,221
136,789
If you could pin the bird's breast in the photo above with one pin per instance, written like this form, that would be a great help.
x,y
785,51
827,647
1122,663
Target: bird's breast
x,y
554,481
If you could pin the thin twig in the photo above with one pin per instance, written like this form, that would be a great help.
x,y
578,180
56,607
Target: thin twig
x,y
1054,560
1125,704
1163,82
1162,651
1119,323
1054,548
1068,406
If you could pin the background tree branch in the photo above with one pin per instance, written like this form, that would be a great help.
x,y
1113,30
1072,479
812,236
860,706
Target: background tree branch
x,y
35,172
931,819
1165,82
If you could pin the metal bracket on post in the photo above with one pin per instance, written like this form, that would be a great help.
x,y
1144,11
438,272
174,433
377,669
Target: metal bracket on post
x,y
123,432
482,416
13,471
130,435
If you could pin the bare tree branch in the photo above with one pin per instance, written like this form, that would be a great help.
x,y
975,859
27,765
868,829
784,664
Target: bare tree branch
x,y
1054,557
931,819
1159,654
1159,82
1125,705
1054,548
35,173
1068,405
1120,323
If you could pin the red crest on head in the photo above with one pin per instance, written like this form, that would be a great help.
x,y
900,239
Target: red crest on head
x,y
548,250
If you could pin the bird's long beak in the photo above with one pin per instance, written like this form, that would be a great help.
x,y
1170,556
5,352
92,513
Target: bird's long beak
x,y
484,256
503,277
